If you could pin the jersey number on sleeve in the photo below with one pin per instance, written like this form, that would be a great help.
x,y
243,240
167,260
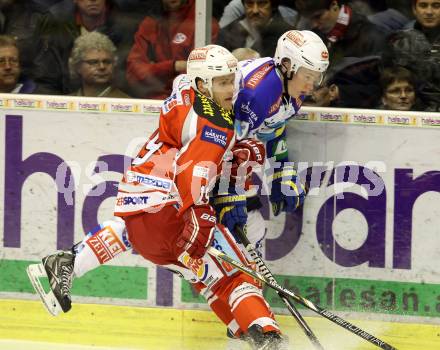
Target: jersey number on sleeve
x,y
150,147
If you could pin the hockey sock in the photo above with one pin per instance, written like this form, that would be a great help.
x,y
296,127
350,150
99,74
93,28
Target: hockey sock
x,y
100,245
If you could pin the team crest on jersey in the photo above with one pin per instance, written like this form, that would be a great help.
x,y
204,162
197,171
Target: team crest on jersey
x,y
179,38
257,76
207,108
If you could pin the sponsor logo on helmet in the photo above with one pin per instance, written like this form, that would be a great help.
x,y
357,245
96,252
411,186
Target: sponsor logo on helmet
x,y
214,136
324,55
256,78
295,37
179,38
232,63
198,54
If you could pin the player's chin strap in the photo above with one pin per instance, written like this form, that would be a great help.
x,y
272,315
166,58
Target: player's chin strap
x,y
286,78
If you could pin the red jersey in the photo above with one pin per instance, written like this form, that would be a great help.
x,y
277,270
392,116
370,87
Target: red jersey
x,y
180,162
158,43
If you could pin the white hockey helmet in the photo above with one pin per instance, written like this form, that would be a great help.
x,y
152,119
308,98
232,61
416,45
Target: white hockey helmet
x,y
208,62
304,49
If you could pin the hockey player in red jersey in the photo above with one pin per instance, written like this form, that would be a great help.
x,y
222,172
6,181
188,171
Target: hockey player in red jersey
x,y
163,200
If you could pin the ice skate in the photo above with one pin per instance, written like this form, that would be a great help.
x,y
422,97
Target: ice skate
x,y
58,268
266,341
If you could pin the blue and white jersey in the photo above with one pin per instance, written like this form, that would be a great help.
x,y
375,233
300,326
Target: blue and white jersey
x,y
259,105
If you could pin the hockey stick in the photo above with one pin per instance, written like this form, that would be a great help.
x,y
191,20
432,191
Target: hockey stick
x,y
307,303
268,275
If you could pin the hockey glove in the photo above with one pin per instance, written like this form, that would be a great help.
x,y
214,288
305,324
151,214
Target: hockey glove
x,y
287,192
231,210
247,154
198,232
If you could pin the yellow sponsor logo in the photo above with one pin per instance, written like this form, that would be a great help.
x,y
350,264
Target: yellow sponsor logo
x,y
197,266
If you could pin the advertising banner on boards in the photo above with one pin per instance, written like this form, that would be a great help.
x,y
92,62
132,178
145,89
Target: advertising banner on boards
x,y
366,240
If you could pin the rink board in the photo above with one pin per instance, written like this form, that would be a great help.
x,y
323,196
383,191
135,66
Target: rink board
x,y
360,250
108,327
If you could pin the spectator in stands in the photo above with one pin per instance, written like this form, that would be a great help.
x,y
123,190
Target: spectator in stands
x,y
19,18
259,29
345,32
161,47
327,95
92,62
245,53
427,14
64,22
353,83
418,49
398,89
235,10
11,80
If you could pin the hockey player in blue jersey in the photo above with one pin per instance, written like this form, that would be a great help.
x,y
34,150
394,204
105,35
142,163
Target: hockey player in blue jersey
x,y
269,91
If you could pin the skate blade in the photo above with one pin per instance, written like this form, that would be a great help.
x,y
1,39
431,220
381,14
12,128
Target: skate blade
x,y
51,303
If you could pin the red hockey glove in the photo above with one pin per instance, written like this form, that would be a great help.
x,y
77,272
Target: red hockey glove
x,y
198,233
246,154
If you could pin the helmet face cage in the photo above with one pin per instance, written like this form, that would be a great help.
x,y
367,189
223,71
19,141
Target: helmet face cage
x,y
206,63
303,49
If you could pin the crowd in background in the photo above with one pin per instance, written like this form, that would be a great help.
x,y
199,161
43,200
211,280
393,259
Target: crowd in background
x,y
383,54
